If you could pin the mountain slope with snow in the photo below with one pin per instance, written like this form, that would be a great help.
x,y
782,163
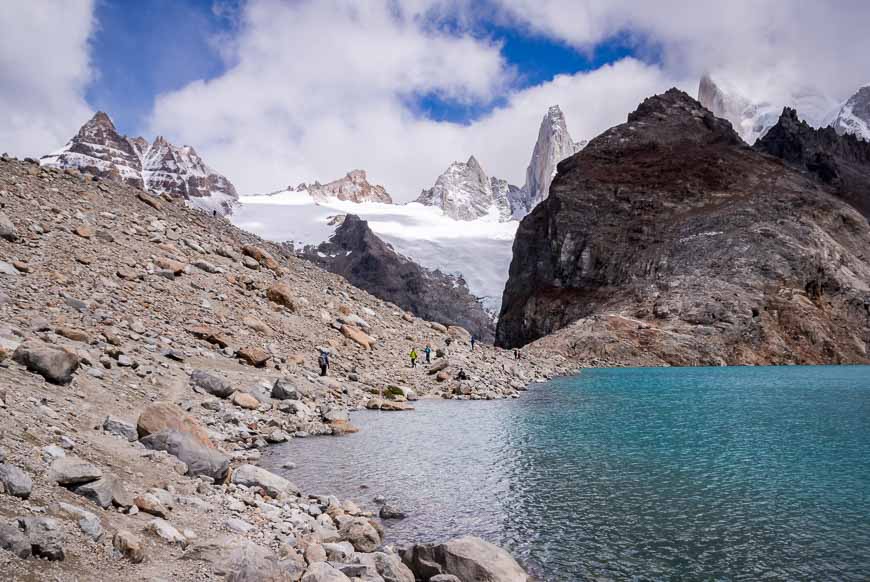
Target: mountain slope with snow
x,y
854,116
478,250
159,168
465,192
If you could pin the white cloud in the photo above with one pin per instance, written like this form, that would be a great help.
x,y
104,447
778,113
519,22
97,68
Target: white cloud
x,y
44,70
315,89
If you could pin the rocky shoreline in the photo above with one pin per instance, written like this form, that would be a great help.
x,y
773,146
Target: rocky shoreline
x,y
149,353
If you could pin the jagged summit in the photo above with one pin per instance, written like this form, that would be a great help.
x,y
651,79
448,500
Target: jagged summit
x,y
465,192
667,240
839,160
353,187
553,145
160,167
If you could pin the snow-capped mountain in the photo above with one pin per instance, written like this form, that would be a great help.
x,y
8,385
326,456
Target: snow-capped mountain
x,y
353,187
465,192
159,168
751,119
854,116
554,144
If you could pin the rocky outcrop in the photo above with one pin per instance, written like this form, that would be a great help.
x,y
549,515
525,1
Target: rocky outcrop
x,y
465,192
668,241
854,116
354,187
839,160
466,558
554,144
160,168
358,255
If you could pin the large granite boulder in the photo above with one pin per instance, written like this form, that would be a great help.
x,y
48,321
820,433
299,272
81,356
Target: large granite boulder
x,y
54,364
467,558
200,460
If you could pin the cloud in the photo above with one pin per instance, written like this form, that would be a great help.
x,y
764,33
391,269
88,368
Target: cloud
x,y
322,88
44,70
767,46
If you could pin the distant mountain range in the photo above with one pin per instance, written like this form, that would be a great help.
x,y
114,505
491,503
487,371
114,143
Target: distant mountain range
x,y
752,119
160,167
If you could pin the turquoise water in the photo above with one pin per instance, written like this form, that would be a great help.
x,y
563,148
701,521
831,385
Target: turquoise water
x,y
632,474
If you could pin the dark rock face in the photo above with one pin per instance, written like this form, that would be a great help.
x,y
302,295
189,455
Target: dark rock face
x,y
667,240
358,255
841,161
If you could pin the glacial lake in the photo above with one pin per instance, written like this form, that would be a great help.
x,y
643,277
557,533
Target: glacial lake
x,y
627,474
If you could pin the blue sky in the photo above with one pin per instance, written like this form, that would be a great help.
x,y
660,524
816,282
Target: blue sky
x,y
142,49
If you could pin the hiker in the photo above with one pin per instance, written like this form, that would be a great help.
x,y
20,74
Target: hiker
x,y
323,360
473,341
462,375
428,352
516,354
413,357
214,213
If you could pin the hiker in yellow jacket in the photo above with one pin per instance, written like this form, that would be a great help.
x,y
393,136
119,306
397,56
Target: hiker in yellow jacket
x,y
413,357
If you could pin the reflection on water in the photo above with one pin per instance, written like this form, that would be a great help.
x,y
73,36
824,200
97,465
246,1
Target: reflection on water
x,y
705,473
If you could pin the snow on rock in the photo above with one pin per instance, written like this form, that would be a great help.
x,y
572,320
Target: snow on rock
x,y
478,250
854,116
464,192
752,119
354,187
159,168
554,144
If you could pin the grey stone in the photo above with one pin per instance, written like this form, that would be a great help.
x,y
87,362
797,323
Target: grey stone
x,y
362,534
13,540
274,485
389,511
283,390
336,414
467,558
73,471
7,269
339,552
238,525
323,572
15,481
44,536
200,460
87,521
54,364
105,492
211,384
121,428
7,229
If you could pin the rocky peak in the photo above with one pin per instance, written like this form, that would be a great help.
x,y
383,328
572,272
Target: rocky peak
x,y
366,261
160,168
553,145
465,192
668,241
353,187
854,116
841,161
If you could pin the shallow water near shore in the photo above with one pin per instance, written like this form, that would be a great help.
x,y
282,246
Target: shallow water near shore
x,y
628,474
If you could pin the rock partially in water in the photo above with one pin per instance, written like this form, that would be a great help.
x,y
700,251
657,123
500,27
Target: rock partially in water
x,y
467,558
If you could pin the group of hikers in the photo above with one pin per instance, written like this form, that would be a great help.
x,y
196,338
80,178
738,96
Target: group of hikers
x,y
323,358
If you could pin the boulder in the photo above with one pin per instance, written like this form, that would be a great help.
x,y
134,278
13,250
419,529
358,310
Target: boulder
x,y
283,389
165,531
121,428
161,416
211,384
238,560
200,460
128,545
357,335
7,229
438,327
391,568
339,551
336,414
439,365
361,534
15,482
44,536
13,540
254,356
257,325
211,335
73,471
54,364
467,558
174,267
73,334
105,492
388,405
459,333
323,572
262,257
150,504
389,511
87,521
245,400
282,295
252,476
